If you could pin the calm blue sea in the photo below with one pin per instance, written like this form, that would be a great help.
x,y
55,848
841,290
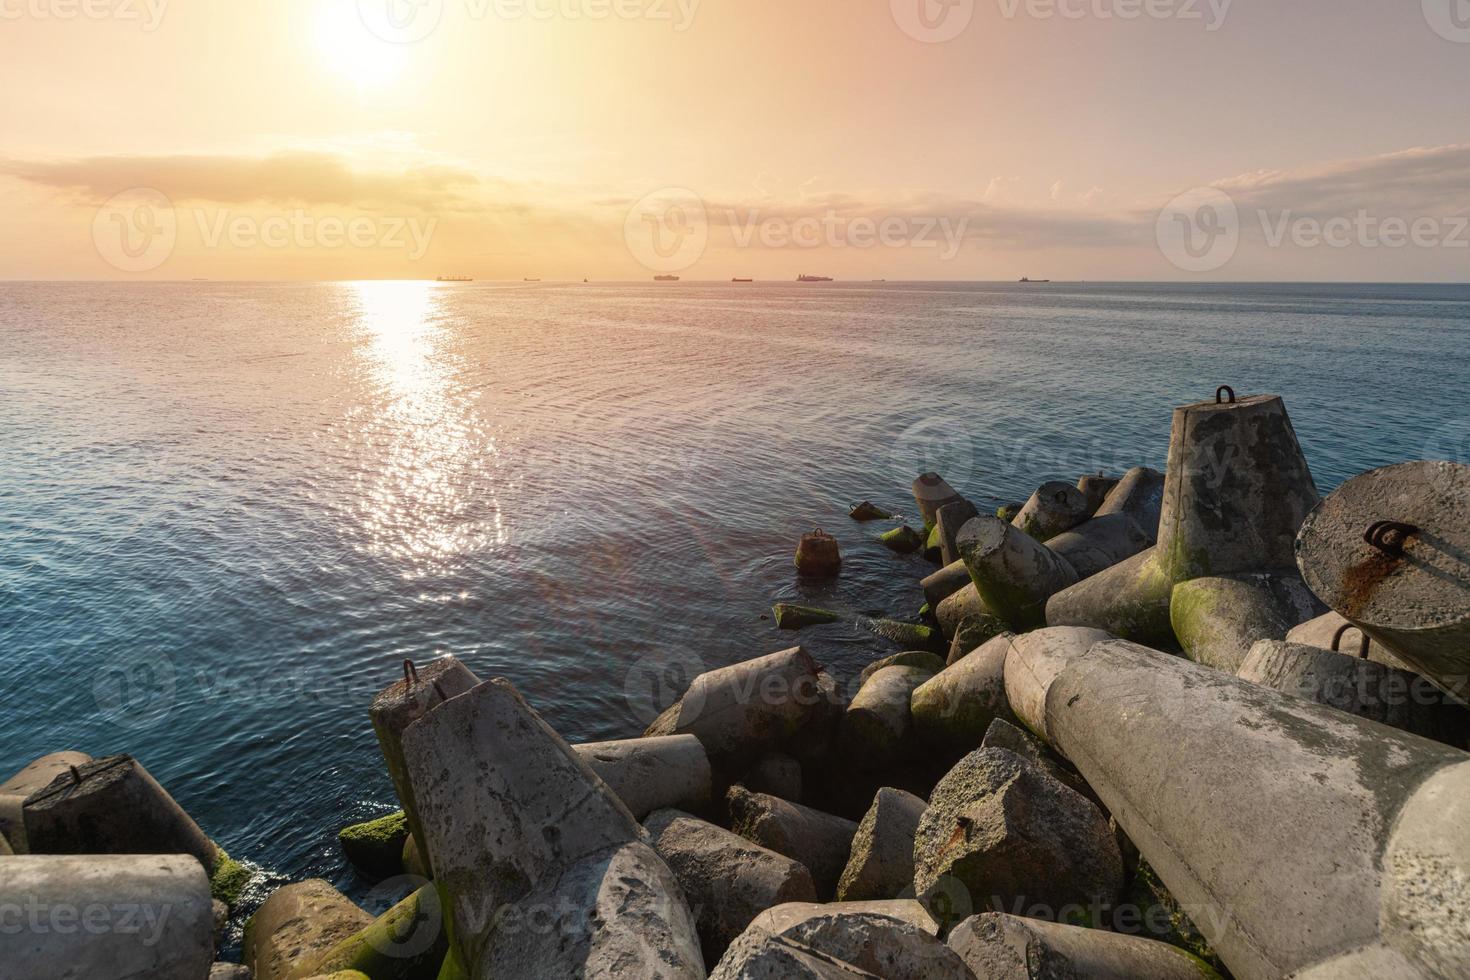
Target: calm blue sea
x,y
228,511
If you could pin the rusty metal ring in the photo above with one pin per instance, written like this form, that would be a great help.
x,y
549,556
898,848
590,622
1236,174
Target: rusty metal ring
x,y
1221,392
1389,536
410,673
1341,632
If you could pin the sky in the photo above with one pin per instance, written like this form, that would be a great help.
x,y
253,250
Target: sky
x,y
1310,140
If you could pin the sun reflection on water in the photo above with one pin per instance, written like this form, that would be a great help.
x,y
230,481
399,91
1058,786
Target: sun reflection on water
x,y
426,497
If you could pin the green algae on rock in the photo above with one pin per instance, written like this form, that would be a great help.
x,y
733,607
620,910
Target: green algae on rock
x,y
793,617
867,511
229,879
902,539
914,636
377,845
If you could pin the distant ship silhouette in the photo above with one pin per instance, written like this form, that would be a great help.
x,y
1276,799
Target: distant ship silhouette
x,y
806,278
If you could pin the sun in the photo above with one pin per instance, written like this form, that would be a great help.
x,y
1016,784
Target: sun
x,y
351,51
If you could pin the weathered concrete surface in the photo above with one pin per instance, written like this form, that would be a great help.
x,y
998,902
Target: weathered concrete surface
x,y
407,942
376,846
818,840
1014,574
1099,544
880,863
297,925
1009,833
503,802
651,774
1292,833
868,511
229,971
954,707
902,539
876,727
776,774
1033,662
944,583
406,701
740,712
1140,495
965,604
793,617
1003,735
817,555
37,775
922,659
1330,628
413,859
1397,698
758,955
1129,600
777,920
1218,620
726,879
910,636
1096,487
1413,594
105,917
1236,489
973,634
948,521
112,806
619,914
1055,507
881,944
1007,947
932,493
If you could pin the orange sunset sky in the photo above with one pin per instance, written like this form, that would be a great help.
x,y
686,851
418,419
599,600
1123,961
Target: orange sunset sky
x,y
912,139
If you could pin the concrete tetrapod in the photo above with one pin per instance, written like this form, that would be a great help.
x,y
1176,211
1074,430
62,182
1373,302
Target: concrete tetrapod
x,y
777,920
884,945
1055,507
652,773
997,946
407,942
37,775
1301,840
1013,573
740,712
112,806
1140,495
1099,544
1096,487
297,925
1390,551
401,704
932,493
880,864
875,728
953,709
1397,698
105,917
818,840
944,583
758,955
1130,599
508,809
948,520
1331,631
1218,620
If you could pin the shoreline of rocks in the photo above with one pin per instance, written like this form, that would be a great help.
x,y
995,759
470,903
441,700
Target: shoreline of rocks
x,y
1198,723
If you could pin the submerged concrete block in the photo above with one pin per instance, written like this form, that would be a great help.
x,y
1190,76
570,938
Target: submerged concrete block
x,y
903,540
619,914
1099,544
1140,495
112,806
876,727
817,556
1218,620
1388,551
954,707
1007,947
650,774
948,521
297,925
1308,814
874,941
1397,698
880,863
792,617
1055,507
400,704
740,712
37,775
503,802
105,917
818,840
932,493
1236,491
1007,832
376,846
1014,574
727,880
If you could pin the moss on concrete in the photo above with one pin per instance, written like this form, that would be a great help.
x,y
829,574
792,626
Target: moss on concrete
x,y
913,636
792,617
376,846
408,942
867,511
229,879
902,539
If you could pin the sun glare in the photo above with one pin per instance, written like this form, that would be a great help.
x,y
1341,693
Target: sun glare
x,y
352,51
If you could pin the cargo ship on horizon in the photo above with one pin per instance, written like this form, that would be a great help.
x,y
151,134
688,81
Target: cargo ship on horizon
x,y
806,278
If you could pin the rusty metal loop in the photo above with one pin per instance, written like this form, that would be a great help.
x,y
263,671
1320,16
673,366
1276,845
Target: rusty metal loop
x,y
1342,631
410,673
1389,537
1221,392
